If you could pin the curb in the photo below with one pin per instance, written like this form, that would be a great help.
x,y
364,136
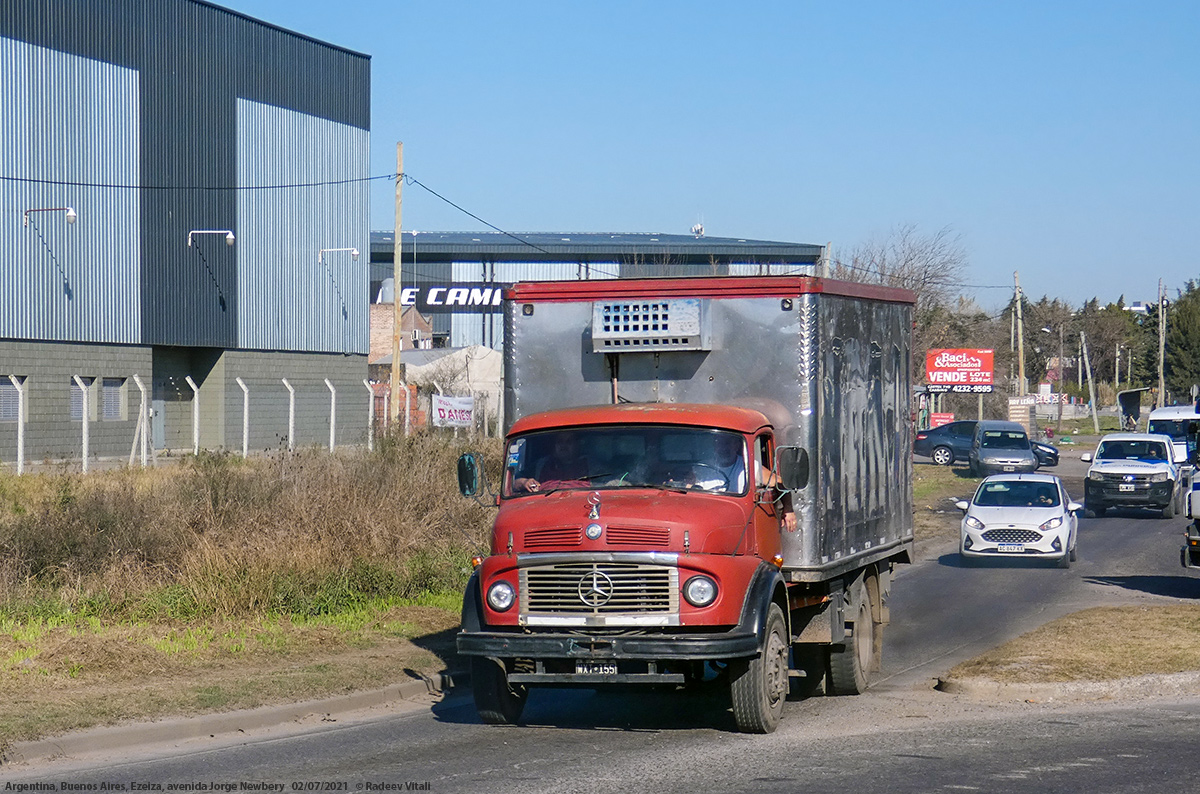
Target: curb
x,y
124,738
1185,684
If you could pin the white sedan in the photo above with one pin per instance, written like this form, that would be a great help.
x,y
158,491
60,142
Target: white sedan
x,y
1020,515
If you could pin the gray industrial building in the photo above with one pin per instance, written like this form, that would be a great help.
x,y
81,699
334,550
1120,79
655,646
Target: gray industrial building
x,y
180,190
453,276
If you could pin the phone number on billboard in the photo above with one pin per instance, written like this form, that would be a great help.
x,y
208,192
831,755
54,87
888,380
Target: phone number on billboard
x,y
979,388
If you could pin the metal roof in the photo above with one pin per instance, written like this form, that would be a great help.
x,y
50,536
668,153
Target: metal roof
x,y
535,246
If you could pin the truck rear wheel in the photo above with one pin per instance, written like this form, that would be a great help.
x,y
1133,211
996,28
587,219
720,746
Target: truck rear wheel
x,y
758,687
497,701
848,667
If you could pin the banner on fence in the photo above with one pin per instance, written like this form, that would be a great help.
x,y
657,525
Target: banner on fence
x,y
453,411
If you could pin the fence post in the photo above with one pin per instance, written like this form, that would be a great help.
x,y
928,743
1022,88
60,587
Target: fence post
x,y
86,414
332,414
195,415
370,416
291,415
245,417
407,407
143,423
19,385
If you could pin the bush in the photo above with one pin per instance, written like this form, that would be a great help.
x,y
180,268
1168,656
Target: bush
x,y
302,533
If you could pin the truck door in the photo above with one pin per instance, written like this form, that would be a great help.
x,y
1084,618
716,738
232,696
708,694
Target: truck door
x,y
766,511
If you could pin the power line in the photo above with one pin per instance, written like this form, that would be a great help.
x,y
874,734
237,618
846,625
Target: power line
x,y
185,188
414,181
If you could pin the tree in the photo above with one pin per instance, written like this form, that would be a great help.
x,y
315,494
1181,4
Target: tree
x,y
1182,357
931,265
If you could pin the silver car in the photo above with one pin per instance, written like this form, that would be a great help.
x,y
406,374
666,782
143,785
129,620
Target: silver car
x,y
1019,515
1000,448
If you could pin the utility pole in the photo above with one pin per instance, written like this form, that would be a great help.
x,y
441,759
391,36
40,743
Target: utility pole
x,y
397,290
1162,345
1020,338
1091,383
1117,371
1058,427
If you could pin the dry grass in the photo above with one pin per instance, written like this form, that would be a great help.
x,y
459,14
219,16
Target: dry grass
x,y
935,489
227,583
1101,644
307,533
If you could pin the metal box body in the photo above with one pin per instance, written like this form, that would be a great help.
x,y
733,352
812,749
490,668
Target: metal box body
x,y
828,363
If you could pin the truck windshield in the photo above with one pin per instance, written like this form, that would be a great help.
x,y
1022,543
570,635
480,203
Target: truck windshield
x,y
1132,450
623,457
1177,429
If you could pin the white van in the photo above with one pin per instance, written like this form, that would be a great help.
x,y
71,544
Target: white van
x,y
1176,421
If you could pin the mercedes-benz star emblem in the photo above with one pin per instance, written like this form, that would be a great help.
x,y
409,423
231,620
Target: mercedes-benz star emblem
x,y
594,501
595,589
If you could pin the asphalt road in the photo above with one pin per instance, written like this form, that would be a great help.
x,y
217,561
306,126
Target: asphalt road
x,y
901,736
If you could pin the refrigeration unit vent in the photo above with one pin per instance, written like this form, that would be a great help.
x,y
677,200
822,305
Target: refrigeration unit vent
x,y
648,326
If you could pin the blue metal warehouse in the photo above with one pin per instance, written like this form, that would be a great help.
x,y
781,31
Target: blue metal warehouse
x,y
181,188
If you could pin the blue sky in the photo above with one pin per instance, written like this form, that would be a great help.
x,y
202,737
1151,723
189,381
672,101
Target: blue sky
x,y
1060,140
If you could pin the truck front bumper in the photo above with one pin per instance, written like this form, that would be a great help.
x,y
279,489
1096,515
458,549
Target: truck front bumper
x,y
1105,494
738,643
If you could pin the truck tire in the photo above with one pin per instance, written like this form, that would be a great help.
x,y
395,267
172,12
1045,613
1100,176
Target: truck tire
x,y
849,666
1096,511
1169,510
497,702
758,687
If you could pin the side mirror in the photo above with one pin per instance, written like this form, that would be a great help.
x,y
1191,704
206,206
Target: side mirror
x,y
791,463
1086,457
1074,507
468,474
963,505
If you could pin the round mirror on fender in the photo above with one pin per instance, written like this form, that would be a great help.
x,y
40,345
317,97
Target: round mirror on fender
x,y
791,463
468,474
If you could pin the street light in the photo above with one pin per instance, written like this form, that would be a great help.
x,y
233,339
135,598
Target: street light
x,y
323,251
72,215
228,234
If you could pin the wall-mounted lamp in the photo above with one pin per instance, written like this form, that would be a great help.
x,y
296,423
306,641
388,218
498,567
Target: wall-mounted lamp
x,y
228,234
72,215
323,251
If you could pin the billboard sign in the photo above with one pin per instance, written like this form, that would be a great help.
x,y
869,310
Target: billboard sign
x,y
959,371
453,411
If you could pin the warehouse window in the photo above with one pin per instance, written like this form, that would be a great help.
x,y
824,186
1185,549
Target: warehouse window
x,y
77,400
113,400
10,400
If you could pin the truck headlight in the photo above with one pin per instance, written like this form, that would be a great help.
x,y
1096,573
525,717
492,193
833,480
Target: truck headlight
x,y
1053,523
501,596
700,591
1159,476
1095,475
973,522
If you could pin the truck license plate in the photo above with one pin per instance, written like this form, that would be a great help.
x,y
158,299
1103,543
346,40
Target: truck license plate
x,y
1011,547
595,668
1010,468
1125,487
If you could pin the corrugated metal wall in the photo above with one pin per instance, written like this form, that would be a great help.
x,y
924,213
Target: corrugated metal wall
x,y
71,119
190,64
287,299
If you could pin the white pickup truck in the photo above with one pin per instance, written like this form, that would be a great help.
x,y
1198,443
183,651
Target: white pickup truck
x,y
1133,470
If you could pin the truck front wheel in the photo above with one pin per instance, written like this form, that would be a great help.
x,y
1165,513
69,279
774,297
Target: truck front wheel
x,y
849,666
758,687
497,701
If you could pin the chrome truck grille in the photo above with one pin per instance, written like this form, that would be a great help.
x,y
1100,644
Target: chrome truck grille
x,y
599,593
